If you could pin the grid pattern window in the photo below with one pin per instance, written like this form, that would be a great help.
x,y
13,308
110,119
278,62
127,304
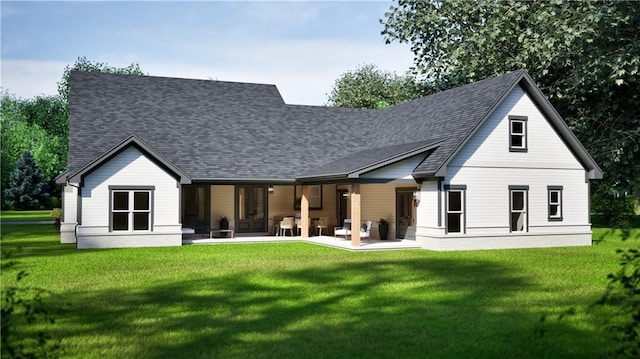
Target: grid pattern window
x,y
455,219
554,196
518,220
517,133
131,209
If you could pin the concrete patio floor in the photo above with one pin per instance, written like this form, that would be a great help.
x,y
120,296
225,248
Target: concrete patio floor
x,y
340,243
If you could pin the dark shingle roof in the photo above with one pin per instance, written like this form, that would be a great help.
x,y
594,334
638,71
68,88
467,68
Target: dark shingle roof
x,y
213,130
451,115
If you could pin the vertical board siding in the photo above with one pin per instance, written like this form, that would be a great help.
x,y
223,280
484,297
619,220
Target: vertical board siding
x,y
378,201
222,204
130,168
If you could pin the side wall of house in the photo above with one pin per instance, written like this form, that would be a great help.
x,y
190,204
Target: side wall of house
x,y
69,213
486,168
129,169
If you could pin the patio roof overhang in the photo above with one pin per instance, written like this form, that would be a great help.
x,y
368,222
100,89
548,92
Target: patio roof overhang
x,y
351,170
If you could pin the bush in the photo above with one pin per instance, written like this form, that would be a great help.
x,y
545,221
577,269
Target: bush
x,y
613,209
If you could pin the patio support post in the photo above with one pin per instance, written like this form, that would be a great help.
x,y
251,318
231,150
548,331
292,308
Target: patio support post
x,y
355,215
304,212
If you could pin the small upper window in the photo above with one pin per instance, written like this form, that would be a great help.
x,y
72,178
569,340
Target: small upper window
x,y
517,133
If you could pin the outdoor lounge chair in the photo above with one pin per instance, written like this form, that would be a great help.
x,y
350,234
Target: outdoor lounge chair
x,y
345,230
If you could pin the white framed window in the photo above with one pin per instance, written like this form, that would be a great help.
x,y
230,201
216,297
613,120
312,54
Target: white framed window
x,y
130,208
518,208
554,198
518,133
455,207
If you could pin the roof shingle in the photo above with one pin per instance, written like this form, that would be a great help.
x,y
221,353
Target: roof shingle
x,y
215,130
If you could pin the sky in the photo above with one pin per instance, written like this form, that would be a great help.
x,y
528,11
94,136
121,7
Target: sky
x,y
300,46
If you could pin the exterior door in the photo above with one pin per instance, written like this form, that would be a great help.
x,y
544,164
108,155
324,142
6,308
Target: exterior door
x,y
251,208
195,207
341,206
404,211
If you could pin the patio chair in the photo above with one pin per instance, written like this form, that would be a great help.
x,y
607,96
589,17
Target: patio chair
x,y
365,231
287,223
276,225
323,223
345,230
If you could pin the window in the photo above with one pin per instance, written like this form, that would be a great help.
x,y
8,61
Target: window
x,y
455,221
315,196
131,209
554,197
517,133
518,208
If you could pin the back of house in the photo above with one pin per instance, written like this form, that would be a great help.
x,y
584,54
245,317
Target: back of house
x,y
486,165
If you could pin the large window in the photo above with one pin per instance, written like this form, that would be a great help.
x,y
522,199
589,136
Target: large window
x,y
517,133
455,221
518,208
554,197
130,209
315,196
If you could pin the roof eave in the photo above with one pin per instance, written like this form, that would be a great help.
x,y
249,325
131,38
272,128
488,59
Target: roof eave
x,y
395,159
590,165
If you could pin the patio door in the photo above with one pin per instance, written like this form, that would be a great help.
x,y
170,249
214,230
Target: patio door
x,y
404,211
251,208
195,207
341,206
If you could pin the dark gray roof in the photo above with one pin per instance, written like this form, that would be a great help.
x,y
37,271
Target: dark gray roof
x,y
227,131
451,114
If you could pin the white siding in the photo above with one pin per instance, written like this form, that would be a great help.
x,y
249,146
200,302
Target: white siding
x,y
129,168
427,210
400,172
69,213
487,168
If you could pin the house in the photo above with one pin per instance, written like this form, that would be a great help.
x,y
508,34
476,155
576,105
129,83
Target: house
x,y
486,165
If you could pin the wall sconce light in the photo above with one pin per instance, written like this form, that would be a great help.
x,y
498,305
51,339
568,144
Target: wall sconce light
x,y
270,189
416,197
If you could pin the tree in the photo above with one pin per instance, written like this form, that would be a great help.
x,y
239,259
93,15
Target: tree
x,y
20,131
369,87
27,186
585,56
83,64
623,292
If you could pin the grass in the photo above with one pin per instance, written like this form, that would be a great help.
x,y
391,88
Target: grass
x,y
302,300
38,215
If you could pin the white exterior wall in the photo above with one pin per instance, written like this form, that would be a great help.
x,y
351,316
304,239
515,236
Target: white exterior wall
x,y
129,168
69,213
427,210
487,168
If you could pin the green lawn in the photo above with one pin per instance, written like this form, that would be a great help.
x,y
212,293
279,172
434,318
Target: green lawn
x,y
39,215
302,300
